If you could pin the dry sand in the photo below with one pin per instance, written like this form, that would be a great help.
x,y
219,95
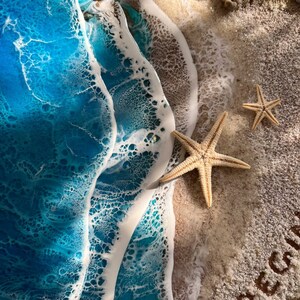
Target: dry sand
x,y
247,246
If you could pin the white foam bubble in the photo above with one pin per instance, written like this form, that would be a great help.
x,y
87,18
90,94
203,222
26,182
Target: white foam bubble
x,y
190,113
77,287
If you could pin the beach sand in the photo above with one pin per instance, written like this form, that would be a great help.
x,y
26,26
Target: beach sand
x,y
247,246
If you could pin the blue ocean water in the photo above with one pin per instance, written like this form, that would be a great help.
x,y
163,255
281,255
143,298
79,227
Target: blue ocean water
x,y
56,132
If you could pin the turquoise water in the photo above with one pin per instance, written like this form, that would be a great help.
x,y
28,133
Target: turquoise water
x,y
56,133
62,233
141,274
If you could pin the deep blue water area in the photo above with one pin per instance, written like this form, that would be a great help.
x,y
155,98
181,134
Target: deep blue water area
x,y
55,133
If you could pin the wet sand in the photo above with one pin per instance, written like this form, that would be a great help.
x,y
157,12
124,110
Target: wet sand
x,y
252,233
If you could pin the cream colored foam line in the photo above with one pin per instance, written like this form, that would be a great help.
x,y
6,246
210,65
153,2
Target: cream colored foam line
x,y
96,70
151,8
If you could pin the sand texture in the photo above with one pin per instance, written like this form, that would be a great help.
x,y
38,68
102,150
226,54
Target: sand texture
x,y
247,246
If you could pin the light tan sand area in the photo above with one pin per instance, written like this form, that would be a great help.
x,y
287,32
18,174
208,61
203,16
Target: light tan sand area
x,y
247,246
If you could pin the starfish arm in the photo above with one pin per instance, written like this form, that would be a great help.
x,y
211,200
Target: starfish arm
x,y
259,116
273,103
186,142
213,136
222,160
260,97
271,117
252,106
188,165
205,180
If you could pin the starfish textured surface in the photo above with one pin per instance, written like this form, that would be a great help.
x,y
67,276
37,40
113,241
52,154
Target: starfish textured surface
x,y
262,108
203,157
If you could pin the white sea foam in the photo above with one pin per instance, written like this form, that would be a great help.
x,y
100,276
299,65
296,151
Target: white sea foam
x,y
141,66
96,71
186,120
121,149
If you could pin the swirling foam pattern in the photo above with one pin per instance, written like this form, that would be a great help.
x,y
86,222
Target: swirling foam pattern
x,y
149,256
143,149
56,133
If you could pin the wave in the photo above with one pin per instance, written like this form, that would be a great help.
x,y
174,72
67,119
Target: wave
x,y
143,147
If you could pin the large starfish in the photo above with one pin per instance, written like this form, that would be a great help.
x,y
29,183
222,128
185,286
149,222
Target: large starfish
x,y
262,108
203,157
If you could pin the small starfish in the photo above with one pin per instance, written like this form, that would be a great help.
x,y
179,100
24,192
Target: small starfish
x,y
203,157
262,108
